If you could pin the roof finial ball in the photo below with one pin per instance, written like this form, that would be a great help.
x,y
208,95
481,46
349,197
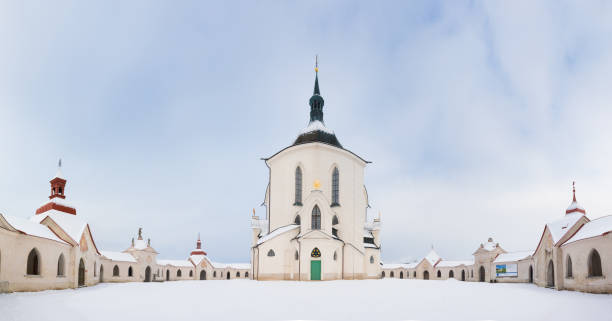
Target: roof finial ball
x,y
316,63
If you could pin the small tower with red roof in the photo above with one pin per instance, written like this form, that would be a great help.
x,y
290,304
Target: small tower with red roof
x,y
574,206
198,250
58,190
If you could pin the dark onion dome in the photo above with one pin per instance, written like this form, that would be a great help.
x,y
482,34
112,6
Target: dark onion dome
x,y
316,130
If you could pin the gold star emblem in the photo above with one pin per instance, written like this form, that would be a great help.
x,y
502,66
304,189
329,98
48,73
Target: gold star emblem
x,y
317,184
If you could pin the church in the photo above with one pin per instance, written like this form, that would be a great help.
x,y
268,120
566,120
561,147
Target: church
x,y
316,203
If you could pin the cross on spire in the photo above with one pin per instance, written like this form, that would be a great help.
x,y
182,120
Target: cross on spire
x,y
574,190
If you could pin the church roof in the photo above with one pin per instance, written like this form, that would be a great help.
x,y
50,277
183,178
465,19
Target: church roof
x,y
513,256
118,256
316,131
432,257
593,228
31,228
71,224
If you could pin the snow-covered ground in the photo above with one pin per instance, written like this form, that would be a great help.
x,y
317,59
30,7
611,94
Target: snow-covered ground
x,y
388,299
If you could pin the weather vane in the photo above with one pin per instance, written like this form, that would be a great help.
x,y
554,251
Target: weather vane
x,y
316,63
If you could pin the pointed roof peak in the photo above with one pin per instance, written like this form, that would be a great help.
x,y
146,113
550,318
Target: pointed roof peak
x,y
574,206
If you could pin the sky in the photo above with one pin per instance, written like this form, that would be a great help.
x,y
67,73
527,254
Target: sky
x,y
477,116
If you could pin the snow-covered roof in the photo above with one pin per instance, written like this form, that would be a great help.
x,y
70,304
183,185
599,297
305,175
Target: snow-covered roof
x,y
237,266
573,206
370,245
593,228
140,244
559,228
314,126
277,232
513,256
177,263
432,257
490,246
70,223
118,256
197,258
31,228
445,263
58,201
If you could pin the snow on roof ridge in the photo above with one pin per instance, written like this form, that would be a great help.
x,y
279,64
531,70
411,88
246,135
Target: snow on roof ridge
x,y
593,228
73,225
316,125
118,256
30,227
513,256
558,228
177,263
58,201
277,232
432,257
451,263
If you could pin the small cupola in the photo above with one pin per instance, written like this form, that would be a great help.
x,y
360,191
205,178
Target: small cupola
x,y
574,206
198,250
58,183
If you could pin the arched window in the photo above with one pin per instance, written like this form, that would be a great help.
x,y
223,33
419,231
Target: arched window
x,y
33,267
401,274
439,274
335,220
568,267
271,252
392,274
237,274
297,255
371,259
298,220
335,187
214,274
60,265
179,273
316,218
95,268
594,264
414,274
335,255
190,273
246,274
472,273
451,274
116,271
130,272
298,186
383,274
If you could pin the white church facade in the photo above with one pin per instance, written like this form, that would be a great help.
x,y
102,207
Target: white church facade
x,y
316,204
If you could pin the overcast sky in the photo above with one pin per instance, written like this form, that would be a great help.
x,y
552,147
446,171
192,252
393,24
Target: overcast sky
x,y
477,116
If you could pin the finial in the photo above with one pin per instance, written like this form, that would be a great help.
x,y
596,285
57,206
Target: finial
x,y
316,63
198,236
574,189
132,241
148,242
253,211
140,233
59,163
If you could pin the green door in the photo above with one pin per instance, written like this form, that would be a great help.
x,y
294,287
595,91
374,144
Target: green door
x,y
315,270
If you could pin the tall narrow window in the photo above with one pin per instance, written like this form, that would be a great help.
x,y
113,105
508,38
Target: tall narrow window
x,y
33,267
298,186
595,264
116,271
179,273
60,265
568,267
297,220
271,252
335,187
130,272
316,218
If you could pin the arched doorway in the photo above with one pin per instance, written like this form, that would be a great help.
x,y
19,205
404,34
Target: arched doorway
x,y
426,275
481,274
167,275
462,275
530,274
202,275
148,274
383,274
451,274
401,275
81,273
228,275
101,273
550,275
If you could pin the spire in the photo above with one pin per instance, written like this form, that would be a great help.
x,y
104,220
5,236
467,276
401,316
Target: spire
x,y
316,101
574,206
199,243
140,233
